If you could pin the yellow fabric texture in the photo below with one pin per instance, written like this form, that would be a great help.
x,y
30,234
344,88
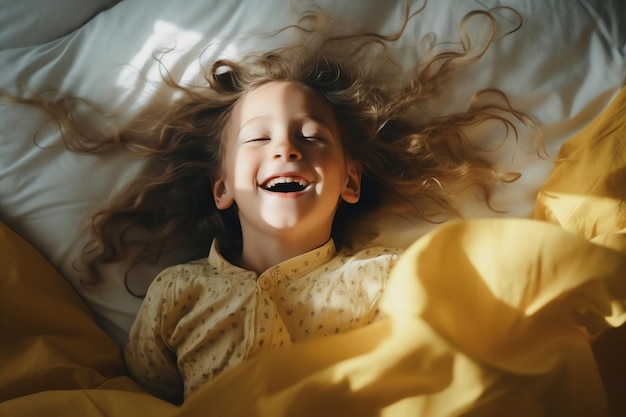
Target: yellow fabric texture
x,y
586,192
54,359
49,337
484,318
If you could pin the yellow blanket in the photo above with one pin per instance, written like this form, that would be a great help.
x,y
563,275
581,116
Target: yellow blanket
x,y
484,317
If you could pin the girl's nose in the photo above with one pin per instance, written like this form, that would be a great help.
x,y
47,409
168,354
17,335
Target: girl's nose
x,y
285,149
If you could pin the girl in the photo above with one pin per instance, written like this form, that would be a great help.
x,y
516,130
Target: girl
x,y
284,169
276,168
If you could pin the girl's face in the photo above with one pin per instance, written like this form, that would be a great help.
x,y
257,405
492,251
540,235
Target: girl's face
x,y
284,165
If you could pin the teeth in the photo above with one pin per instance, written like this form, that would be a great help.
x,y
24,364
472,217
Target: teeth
x,y
286,180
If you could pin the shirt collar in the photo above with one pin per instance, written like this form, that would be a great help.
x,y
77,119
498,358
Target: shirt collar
x,y
289,269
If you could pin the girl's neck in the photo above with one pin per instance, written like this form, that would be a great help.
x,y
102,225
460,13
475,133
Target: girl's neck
x,y
260,253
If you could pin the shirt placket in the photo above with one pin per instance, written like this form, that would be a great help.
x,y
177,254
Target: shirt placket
x,y
265,312
269,281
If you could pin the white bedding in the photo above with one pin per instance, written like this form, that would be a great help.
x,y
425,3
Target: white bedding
x,y
562,67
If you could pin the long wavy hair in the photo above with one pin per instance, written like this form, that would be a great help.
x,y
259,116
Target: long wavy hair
x,y
412,163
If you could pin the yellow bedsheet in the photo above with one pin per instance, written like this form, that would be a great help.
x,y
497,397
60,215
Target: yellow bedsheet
x,y
485,317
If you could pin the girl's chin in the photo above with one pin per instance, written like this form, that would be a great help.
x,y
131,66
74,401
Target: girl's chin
x,y
294,222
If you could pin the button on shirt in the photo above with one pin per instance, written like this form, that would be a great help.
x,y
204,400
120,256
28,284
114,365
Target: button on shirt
x,y
200,318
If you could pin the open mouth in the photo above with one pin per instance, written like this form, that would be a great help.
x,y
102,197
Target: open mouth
x,y
285,185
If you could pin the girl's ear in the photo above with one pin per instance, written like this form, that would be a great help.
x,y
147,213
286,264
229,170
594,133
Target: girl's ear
x,y
352,190
221,194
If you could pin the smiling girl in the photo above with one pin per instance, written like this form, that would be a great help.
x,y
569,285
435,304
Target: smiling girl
x,y
276,168
285,170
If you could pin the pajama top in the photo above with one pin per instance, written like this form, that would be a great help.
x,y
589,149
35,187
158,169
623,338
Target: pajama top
x,y
200,318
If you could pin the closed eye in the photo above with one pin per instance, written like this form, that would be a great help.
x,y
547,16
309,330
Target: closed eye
x,y
256,140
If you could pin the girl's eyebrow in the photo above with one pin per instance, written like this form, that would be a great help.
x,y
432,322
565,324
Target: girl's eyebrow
x,y
319,121
250,122
253,120
303,119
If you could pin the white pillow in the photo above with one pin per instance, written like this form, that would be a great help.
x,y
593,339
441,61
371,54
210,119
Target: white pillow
x,y
35,22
